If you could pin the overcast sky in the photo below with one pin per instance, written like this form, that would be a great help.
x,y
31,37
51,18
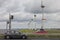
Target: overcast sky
x,y
23,11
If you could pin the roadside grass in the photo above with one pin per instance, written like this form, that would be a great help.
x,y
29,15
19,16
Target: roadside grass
x,y
44,36
1,36
50,33
27,31
30,33
53,31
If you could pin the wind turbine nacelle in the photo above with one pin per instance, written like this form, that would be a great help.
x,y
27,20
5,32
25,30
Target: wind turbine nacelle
x,y
42,6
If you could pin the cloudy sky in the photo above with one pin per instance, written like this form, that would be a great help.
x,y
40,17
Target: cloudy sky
x,y
24,10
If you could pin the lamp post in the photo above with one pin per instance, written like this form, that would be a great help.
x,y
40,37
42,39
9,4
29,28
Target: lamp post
x,y
9,23
10,18
7,26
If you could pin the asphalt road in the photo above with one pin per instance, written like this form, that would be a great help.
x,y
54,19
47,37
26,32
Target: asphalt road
x,y
30,39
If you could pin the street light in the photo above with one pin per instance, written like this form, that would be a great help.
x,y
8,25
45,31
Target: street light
x,y
10,18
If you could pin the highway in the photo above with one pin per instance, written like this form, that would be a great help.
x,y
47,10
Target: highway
x,y
31,39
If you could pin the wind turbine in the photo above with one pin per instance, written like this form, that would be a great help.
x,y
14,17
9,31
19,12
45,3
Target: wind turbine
x,y
33,20
43,19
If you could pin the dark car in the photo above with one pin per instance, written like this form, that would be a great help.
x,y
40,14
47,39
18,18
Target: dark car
x,y
15,35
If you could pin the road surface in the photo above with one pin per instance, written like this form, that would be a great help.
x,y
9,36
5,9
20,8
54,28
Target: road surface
x,y
30,39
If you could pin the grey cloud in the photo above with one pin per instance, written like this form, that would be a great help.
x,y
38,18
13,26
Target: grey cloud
x,y
35,7
14,8
2,2
10,5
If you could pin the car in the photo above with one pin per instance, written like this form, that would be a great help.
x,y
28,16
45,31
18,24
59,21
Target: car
x,y
15,35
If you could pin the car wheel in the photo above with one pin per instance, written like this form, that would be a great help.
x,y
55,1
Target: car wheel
x,y
7,37
24,37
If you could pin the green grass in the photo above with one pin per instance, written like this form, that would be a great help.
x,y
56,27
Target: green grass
x,y
1,36
53,31
27,31
31,31
50,34
44,36
30,34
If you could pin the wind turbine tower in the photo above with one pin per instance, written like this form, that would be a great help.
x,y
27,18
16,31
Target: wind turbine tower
x,y
35,21
43,19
